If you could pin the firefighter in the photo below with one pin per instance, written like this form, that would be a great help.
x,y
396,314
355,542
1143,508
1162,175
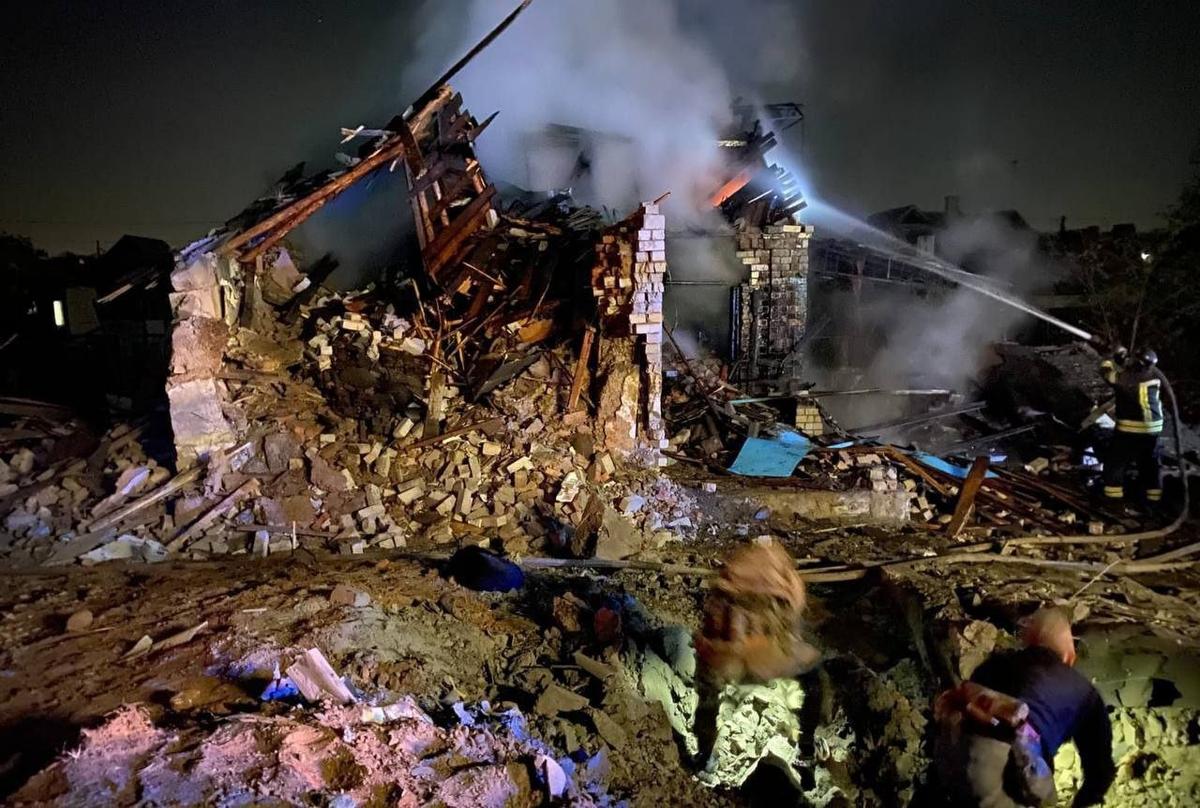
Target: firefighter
x,y
998,733
1138,385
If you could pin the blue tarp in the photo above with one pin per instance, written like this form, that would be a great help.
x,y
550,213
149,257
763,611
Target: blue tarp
x,y
935,462
846,444
771,457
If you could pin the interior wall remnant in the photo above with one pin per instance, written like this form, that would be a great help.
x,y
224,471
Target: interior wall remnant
x,y
204,300
774,299
627,282
809,420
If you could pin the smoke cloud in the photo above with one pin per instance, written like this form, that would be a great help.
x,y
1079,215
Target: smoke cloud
x,y
650,77
943,338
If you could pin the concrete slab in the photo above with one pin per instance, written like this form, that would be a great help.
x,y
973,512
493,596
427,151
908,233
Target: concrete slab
x,y
857,506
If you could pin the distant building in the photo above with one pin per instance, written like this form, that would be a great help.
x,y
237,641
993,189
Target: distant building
x,y
96,327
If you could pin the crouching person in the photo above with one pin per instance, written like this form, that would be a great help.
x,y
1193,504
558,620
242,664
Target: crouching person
x,y
751,631
998,733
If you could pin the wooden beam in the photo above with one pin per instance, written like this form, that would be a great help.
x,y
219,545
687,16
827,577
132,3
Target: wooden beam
x,y
304,207
434,88
451,192
483,291
442,249
389,151
488,427
581,369
917,469
177,483
247,489
966,495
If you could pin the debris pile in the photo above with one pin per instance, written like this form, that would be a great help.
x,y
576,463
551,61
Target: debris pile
x,y
393,754
336,458
714,426
456,407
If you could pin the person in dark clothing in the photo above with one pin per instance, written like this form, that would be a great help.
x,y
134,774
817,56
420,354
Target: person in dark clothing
x,y
1004,757
1138,385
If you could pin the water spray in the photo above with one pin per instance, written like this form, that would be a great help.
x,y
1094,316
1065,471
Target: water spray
x,y
849,227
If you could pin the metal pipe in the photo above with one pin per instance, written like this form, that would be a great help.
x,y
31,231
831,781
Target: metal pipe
x,y
866,431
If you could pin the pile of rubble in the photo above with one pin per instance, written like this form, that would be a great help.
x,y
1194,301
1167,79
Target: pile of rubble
x,y
484,400
396,754
712,421
337,459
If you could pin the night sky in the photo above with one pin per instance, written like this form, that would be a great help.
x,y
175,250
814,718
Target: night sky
x,y
164,118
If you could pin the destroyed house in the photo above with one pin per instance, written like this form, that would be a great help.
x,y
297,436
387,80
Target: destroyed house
x,y
498,283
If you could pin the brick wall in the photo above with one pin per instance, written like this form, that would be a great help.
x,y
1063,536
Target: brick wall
x,y
201,306
808,419
627,281
774,299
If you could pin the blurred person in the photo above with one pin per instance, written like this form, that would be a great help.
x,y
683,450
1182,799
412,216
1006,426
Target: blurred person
x,y
751,631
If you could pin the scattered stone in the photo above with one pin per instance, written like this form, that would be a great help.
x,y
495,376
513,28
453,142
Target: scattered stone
x,y
344,595
80,621
569,613
557,699
608,729
1037,465
596,668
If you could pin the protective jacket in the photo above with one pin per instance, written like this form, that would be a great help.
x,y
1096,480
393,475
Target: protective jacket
x,y
1138,396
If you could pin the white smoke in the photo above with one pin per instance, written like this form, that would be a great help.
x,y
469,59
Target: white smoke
x,y
943,338
639,72
947,341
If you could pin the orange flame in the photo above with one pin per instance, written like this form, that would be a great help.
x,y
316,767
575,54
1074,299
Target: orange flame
x,y
730,188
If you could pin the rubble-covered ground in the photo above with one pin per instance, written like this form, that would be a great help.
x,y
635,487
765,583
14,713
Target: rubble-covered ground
x,y
155,615
577,684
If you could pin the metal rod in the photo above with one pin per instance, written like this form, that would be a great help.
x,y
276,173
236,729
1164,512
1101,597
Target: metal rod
x,y
1008,433
932,416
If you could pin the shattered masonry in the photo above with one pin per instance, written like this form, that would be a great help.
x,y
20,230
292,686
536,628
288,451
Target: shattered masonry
x,y
204,302
773,302
627,282
490,273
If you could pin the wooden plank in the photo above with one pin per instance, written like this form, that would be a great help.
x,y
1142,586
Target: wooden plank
x,y
160,493
445,164
439,85
535,331
917,469
443,248
28,407
177,483
286,529
437,405
581,369
966,495
488,427
307,205
412,152
294,213
451,192
247,489
482,292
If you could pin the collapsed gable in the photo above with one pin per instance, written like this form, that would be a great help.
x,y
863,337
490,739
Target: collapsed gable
x,y
497,285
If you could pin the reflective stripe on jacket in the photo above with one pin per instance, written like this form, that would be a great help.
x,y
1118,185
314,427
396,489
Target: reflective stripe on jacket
x,y
1139,400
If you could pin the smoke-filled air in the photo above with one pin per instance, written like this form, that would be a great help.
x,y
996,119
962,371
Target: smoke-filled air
x,y
654,99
